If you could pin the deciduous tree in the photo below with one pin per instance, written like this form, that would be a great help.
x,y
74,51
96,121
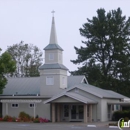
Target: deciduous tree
x,y
28,58
7,65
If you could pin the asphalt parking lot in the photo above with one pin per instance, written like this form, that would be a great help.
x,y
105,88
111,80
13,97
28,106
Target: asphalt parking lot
x,y
49,126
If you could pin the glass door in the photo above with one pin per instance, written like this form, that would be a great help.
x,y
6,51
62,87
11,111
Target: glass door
x,y
74,112
80,112
77,112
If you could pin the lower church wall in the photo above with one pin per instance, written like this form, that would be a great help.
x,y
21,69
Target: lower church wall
x,y
41,109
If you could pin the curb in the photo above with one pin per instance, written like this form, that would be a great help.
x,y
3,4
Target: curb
x,y
91,125
113,127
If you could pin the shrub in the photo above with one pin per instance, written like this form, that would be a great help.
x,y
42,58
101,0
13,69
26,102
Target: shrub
x,y
24,116
126,119
113,124
36,120
7,118
1,119
14,119
121,114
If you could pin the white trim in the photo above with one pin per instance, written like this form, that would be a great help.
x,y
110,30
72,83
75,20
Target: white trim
x,y
14,106
34,110
63,80
91,125
20,101
84,78
32,106
113,127
6,108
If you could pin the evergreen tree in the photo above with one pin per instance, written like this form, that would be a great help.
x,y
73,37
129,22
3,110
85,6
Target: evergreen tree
x,y
105,54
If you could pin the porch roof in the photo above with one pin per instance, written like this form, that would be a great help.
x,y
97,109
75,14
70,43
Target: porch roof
x,y
19,101
72,95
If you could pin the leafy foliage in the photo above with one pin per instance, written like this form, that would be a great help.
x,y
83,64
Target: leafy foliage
x,y
105,55
121,114
7,65
24,116
28,58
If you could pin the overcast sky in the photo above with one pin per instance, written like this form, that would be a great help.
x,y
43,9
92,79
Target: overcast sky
x,y
30,21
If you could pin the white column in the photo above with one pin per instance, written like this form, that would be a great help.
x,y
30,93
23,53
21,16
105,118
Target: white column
x,y
85,113
53,112
58,112
90,113
34,112
6,108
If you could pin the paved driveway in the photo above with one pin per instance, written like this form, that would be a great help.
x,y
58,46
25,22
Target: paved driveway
x,y
49,126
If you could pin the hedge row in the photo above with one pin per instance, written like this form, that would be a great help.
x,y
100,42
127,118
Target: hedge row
x,y
24,117
121,114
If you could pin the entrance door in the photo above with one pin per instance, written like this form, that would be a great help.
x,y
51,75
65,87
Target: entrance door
x,y
77,112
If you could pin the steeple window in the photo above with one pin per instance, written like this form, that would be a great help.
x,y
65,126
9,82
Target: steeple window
x,y
51,56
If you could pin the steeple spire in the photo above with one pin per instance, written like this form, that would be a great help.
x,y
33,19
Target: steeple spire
x,y
53,36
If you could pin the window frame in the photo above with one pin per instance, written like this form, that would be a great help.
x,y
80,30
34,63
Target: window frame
x,y
48,82
51,56
14,106
63,80
67,111
32,106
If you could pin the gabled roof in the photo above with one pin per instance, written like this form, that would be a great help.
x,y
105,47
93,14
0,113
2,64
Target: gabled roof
x,y
53,66
75,96
101,93
76,79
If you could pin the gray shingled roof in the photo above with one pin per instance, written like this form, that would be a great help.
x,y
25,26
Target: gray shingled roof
x,y
100,92
74,80
31,86
53,47
22,86
73,95
52,66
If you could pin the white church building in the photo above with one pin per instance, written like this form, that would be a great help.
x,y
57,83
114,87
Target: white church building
x,y
56,96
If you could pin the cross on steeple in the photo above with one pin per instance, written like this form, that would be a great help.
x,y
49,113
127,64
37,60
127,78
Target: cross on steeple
x,y
53,13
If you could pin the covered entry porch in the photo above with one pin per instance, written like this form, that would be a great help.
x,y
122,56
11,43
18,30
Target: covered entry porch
x,y
71,107
71,112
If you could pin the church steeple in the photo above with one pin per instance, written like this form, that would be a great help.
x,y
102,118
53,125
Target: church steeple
x,y
53,36
53,44
53,73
